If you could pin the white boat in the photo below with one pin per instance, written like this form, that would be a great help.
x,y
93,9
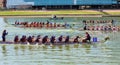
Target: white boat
x,y
56,18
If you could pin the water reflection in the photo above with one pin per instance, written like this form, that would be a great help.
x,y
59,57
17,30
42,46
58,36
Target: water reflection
x,y
67,47
60,47
16,48
30,47
23,47
59,54
76,45
4,50
53,47
86,47
45,47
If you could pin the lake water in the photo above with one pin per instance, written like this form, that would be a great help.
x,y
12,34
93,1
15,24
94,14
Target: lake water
x,y
106,53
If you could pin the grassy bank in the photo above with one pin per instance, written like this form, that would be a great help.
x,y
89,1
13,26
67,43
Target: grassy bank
x,y
80,12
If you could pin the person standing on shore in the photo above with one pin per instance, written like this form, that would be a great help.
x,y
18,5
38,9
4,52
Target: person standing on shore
x,y
4,35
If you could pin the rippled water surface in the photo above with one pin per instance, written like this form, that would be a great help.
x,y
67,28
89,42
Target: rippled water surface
x,y
102,53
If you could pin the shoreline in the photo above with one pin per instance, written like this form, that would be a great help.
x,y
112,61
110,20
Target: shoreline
x,y
61,15
49,15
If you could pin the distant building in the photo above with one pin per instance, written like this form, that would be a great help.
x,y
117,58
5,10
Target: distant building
x,y
3,3
62,4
